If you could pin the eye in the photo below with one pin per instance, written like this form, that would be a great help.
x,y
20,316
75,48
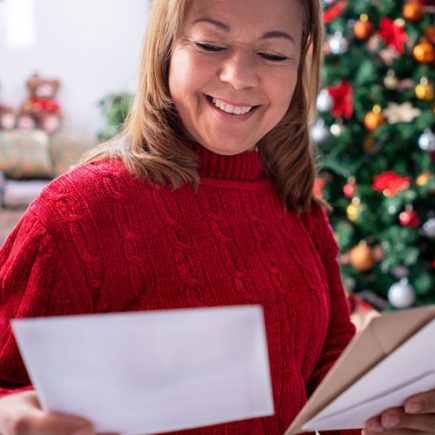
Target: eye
x,y
273,57
206,46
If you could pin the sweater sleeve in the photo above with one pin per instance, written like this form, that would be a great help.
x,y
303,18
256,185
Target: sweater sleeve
x,y
341,330
32,284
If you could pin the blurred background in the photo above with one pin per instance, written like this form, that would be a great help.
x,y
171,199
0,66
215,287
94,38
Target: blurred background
x,y
91,47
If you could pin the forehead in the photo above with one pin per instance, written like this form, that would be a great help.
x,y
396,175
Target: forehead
x,y
260,15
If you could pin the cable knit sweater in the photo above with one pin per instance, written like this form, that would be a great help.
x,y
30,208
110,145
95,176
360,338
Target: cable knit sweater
x,y
101,240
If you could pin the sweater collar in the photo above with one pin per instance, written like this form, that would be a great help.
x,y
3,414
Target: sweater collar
x,y
246,166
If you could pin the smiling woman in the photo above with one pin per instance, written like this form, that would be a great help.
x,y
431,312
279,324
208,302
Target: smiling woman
x,y
204,200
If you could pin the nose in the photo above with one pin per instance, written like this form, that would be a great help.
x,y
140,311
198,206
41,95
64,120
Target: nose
x,y
239,70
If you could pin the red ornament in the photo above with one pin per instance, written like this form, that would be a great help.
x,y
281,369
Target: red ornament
x,y
333,12
349,189
342,95
319,184
389,183
394,35
409,219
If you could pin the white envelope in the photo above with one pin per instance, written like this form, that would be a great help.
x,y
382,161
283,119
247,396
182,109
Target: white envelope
x,y
148,372
407,371
392,359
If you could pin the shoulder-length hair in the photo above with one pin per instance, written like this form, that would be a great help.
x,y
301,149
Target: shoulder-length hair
x,y
152,143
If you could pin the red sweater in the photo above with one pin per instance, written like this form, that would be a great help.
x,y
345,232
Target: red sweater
x,y
100,240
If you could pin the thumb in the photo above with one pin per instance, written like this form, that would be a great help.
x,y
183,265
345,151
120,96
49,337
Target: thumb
x,y
48,423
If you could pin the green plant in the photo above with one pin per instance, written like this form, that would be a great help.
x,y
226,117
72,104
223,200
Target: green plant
x,y
115,108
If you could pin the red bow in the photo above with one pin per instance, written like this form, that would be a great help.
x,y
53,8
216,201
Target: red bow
x,y
393,34
333,12
389,183
45,105
343,100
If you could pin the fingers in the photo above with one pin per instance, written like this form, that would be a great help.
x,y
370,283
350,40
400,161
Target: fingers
x,y
48,424
423,403
22,415
397,421
393,432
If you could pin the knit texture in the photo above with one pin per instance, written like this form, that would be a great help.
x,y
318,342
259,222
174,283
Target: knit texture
x,y
101,240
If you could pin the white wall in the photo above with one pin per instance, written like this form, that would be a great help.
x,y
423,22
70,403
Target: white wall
x,y
92,46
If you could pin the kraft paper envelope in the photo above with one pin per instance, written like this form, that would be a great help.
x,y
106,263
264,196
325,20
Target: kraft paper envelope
x,y
151,372
380,347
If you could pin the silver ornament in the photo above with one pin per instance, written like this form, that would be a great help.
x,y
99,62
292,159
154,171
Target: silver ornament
x,y
324,101
426,141
336,130
401,294
429,228
338,43
319,133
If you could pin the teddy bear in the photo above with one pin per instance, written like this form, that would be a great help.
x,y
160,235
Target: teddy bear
x,y
40,109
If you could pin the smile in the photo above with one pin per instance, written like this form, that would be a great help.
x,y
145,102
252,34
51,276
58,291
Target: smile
x,y
230,108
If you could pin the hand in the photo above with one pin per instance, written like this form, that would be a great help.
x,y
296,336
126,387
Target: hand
x,y
418,415
21,414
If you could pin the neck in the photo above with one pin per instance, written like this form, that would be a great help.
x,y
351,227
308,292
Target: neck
x,y
246,166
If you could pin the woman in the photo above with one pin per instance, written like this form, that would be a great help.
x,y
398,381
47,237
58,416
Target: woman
x,y
206,200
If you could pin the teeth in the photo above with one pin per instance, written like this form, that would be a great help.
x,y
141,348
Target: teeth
x,y
228,108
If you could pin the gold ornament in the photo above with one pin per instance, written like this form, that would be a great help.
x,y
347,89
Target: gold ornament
x,y
353,209
363,28
361,257
390,81
425,90
412,11
424,52
422,179
374,119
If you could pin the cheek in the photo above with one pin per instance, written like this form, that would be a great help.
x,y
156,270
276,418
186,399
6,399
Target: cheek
x,y
178,73
187,74
281,91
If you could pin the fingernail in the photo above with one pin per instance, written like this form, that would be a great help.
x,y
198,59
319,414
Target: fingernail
x,y
413,407
391,421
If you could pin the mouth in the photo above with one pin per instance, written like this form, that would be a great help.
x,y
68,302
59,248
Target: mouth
x,y
231,109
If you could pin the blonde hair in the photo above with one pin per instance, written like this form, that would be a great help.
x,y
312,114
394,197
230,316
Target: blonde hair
x,y
153,144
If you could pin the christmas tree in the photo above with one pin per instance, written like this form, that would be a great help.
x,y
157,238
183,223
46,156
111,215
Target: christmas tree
x,y
377,149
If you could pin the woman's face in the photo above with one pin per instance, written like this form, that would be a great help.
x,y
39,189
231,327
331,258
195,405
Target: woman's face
x,y
233,70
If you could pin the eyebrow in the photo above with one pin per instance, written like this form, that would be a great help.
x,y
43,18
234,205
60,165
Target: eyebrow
x,y
226,28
